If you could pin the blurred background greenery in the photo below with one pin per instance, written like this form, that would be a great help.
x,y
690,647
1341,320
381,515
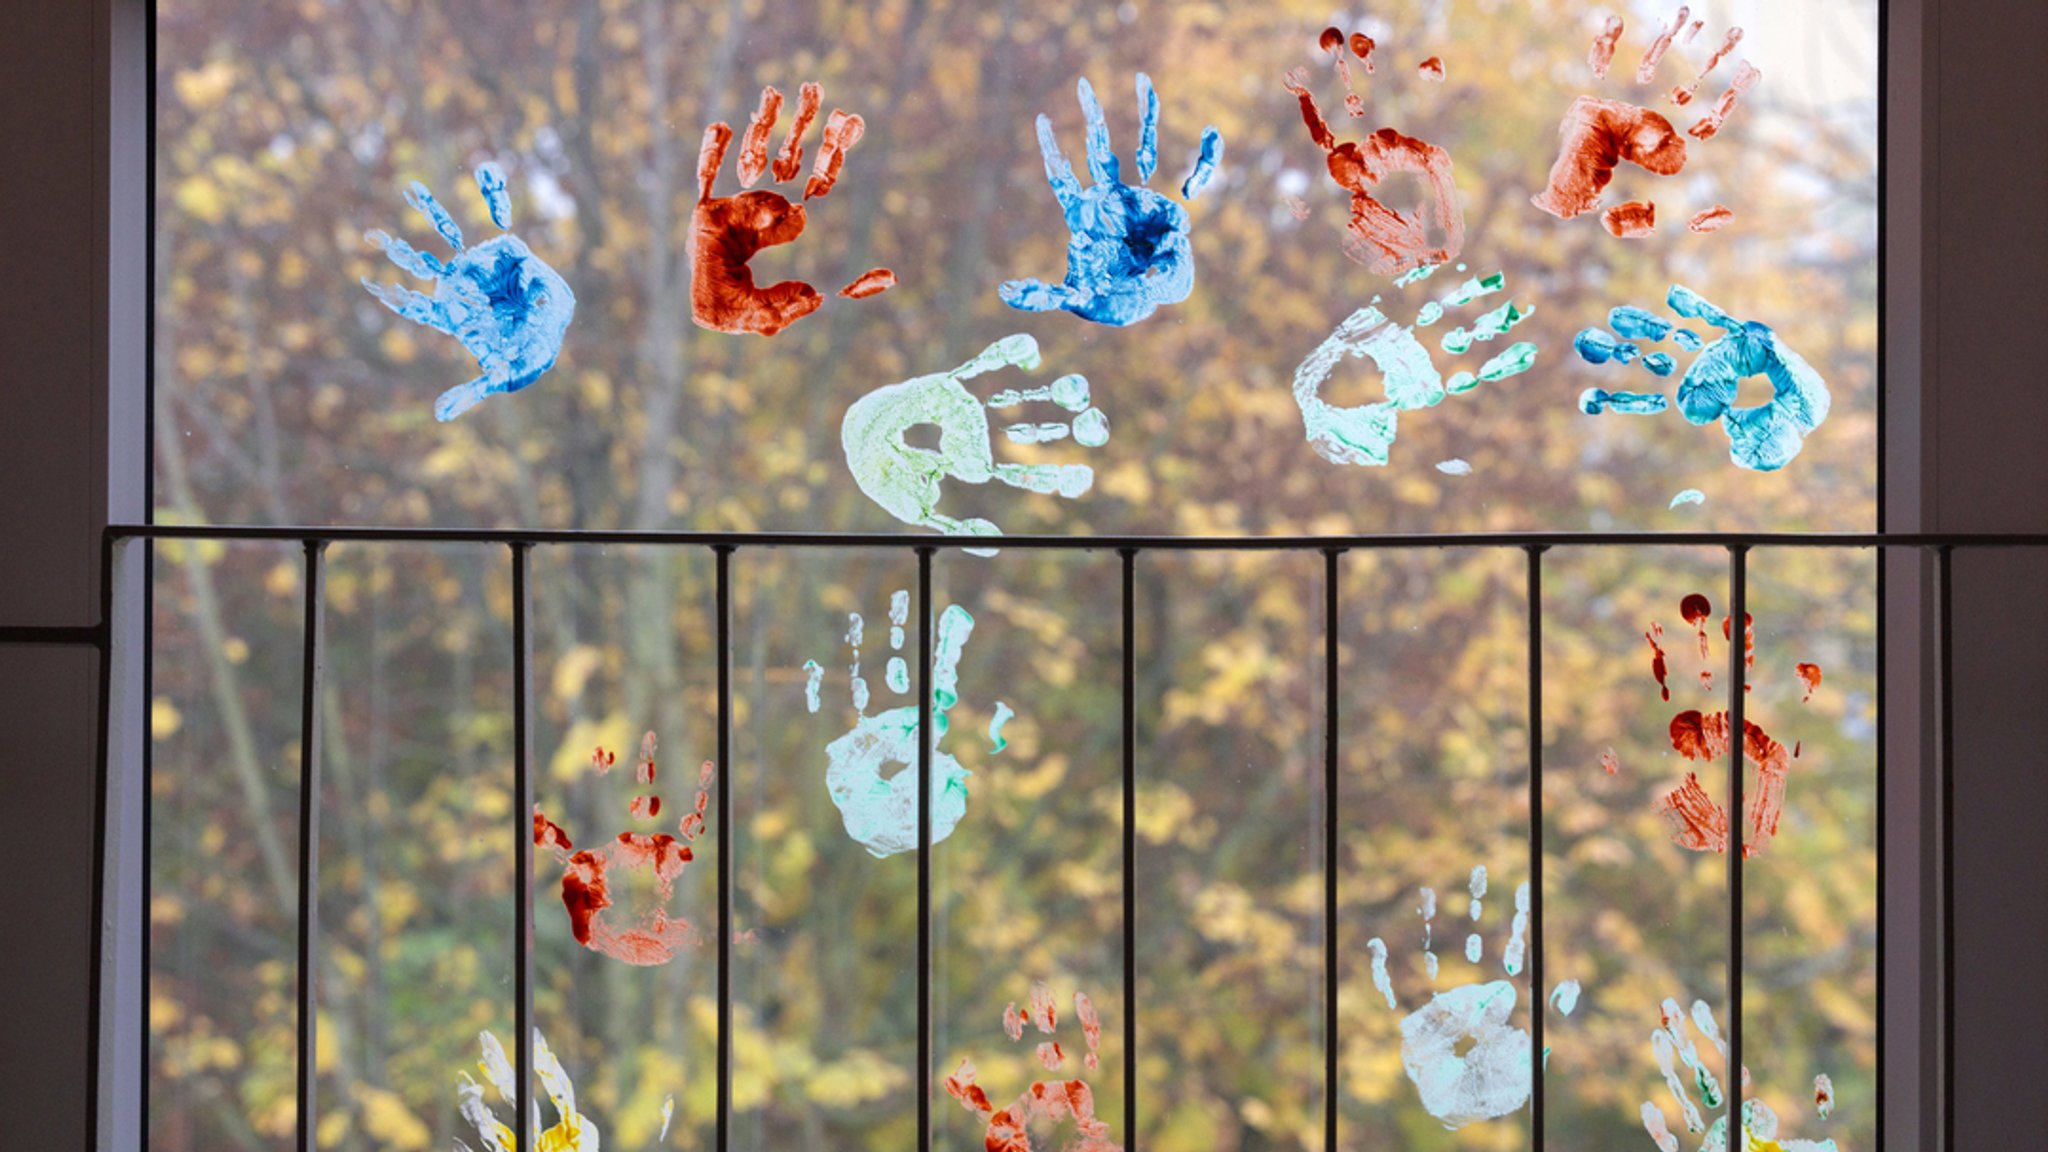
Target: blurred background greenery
x,y
286,395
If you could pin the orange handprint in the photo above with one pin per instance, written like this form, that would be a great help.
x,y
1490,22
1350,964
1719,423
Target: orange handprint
x,y
1383,239
1597,135
587,875
1049,1101
727,231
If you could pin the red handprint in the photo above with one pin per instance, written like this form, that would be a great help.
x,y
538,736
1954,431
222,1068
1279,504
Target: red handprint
x,y
1050,1101
726,231
654,937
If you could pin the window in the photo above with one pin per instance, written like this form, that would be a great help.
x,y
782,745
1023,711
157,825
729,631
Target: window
x,y
1239,404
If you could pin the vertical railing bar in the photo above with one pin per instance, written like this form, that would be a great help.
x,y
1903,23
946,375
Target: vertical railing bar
x,y
1538,1005
1331,1081
721,845
103,763
522,820
311,644
1738,743
1130,843
924,848
1945,783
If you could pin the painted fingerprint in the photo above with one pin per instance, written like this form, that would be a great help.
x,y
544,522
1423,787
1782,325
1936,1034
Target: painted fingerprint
x,y
1386,240
505,305
909,481
1697,820
1409,378
1762,438
1597,135
593,877
1130,252
727,232
1044,1103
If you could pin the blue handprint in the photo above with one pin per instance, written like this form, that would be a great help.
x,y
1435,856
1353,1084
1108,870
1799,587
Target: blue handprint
x,y
504,303
1763,438
1130,251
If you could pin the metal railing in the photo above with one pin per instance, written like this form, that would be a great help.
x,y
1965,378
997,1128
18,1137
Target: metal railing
x,y
521,543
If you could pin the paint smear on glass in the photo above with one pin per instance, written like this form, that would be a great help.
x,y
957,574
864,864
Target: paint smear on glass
x,y
1002,716
1631,220
572,1130
1646,71
1381,981
1565,997
1711,219
1517,948
880,810
1609,762
908,481
507,307
1709,125
1454,467
1688,496
1130,251
1431,70
592,877
814,678
1809,676
1386,240
727,232
1364,434
1601,56
1763,438
668,1113
1683,94
1043,1103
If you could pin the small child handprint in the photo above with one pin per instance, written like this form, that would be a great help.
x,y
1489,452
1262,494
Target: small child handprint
x,y
1130,251
1385,240
1466,1059
881,812
727,231
589,875
1045,1101
1764,438
1597,135
572,1131
509,309
1672,1045
908,481
1364,434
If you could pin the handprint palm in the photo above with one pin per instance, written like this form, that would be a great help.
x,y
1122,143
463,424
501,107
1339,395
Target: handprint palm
x,y
588,875
908,481
1130,251
506,306
1468,1062
1045,1101
881,812
727,231
1364,434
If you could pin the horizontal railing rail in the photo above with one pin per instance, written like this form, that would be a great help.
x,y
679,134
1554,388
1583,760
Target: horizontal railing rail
x,y
521,542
